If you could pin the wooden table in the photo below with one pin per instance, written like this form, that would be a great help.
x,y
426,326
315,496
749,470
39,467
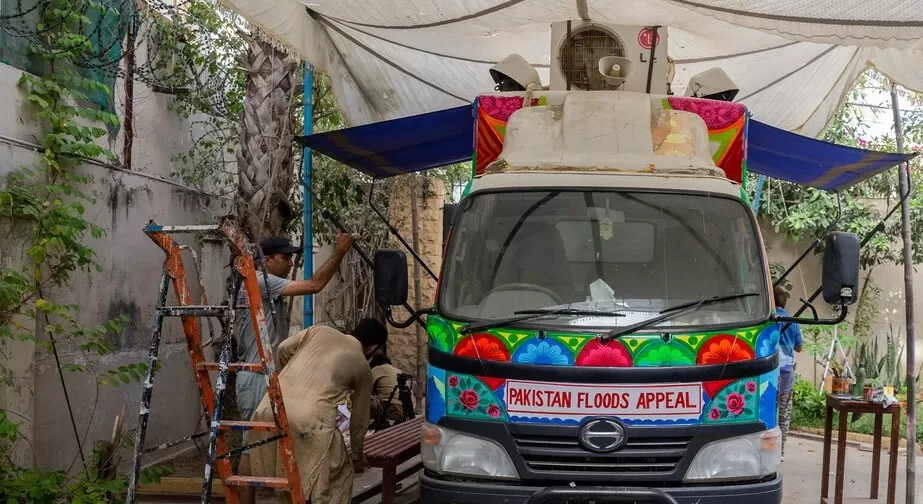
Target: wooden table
x,y
845,406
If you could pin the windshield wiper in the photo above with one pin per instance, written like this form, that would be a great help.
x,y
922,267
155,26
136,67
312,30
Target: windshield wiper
x,y
533,314
668,313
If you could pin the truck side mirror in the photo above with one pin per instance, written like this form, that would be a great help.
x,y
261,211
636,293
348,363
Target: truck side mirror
x,y
841,269
840,284
390,277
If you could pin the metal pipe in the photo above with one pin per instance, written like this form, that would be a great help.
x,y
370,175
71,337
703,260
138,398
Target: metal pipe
x,y
193,228
417,290
193,311
650,64
12,141
308,256
326,214
905,184
171,444
252,445
397,233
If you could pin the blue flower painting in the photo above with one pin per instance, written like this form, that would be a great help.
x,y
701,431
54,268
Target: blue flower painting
x,y
548,352
768,341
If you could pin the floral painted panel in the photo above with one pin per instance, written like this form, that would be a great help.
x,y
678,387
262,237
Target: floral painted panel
x,y
738,402
493,112
726,123
484,398
464,396
584,349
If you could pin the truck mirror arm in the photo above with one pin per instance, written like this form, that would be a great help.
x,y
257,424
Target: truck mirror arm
x,y
397,234
816,243
415,317
815,320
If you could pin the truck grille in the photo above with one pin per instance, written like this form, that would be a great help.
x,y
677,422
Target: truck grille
x,y
562,453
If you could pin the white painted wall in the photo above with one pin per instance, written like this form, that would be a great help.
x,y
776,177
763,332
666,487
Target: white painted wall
x,y
127,285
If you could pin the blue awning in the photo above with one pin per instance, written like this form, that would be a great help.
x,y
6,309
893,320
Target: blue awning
x,y
401,146
426,141
807,161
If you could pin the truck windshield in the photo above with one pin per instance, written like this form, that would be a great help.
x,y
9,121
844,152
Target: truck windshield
x,y
630,253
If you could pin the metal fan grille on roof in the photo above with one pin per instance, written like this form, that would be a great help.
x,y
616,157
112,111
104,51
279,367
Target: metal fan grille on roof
x,y
579,56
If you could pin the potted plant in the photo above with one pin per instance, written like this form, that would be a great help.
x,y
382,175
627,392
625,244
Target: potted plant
x,y
840,378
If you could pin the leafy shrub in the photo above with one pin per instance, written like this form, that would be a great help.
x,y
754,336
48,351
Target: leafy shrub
x,y
808,405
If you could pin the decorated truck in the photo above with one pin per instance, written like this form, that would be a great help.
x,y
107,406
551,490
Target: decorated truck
x,y
603,329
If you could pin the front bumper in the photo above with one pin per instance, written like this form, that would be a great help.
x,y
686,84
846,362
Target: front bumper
x,y
435,491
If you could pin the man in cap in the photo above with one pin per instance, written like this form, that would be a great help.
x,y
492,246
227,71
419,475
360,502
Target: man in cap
x,y
278,254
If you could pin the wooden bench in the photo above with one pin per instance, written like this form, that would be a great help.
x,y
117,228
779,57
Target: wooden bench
x,y
388,449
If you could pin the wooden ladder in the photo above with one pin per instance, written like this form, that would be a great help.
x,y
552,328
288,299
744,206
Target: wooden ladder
x,y
244,274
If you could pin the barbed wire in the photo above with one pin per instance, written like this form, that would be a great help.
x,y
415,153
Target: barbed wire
x,y
210,76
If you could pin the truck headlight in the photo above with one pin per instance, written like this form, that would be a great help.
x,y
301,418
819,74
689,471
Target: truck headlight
x,y
450,452
745,457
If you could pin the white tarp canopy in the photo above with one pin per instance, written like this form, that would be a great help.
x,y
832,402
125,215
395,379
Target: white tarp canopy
x,y
794,60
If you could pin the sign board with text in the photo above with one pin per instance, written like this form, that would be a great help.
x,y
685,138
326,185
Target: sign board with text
x,y
566,400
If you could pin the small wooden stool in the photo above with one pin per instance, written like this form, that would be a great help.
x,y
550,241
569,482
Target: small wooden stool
x,y
846,406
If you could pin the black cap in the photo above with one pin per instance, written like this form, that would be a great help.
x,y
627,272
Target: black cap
x,y
278,245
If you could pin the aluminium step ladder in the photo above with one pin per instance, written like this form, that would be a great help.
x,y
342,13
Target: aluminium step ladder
x,y
218,456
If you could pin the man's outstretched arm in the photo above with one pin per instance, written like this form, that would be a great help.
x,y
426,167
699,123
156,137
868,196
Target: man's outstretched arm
x,y
322,276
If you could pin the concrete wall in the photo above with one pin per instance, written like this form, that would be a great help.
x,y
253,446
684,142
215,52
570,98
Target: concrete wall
x,y
17,399
127,285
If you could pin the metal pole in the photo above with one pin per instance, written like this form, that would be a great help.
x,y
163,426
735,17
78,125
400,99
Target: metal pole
x,y
421,338
308,265
904,181
758,194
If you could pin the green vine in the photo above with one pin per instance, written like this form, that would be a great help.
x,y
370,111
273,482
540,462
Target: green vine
x,y
802,213
43,210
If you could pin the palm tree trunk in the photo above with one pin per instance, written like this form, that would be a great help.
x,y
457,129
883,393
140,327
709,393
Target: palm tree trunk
x,y
265,172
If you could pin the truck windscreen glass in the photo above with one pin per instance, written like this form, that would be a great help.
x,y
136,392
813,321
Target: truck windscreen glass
x,y
631,253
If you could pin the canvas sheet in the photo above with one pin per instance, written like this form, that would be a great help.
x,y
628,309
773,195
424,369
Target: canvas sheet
x,y
794,60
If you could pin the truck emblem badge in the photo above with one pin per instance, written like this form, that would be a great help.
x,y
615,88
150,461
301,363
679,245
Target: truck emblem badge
x,y
602,435
605,229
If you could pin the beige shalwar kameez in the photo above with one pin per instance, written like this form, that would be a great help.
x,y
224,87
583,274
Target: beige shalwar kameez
x,y
320,368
